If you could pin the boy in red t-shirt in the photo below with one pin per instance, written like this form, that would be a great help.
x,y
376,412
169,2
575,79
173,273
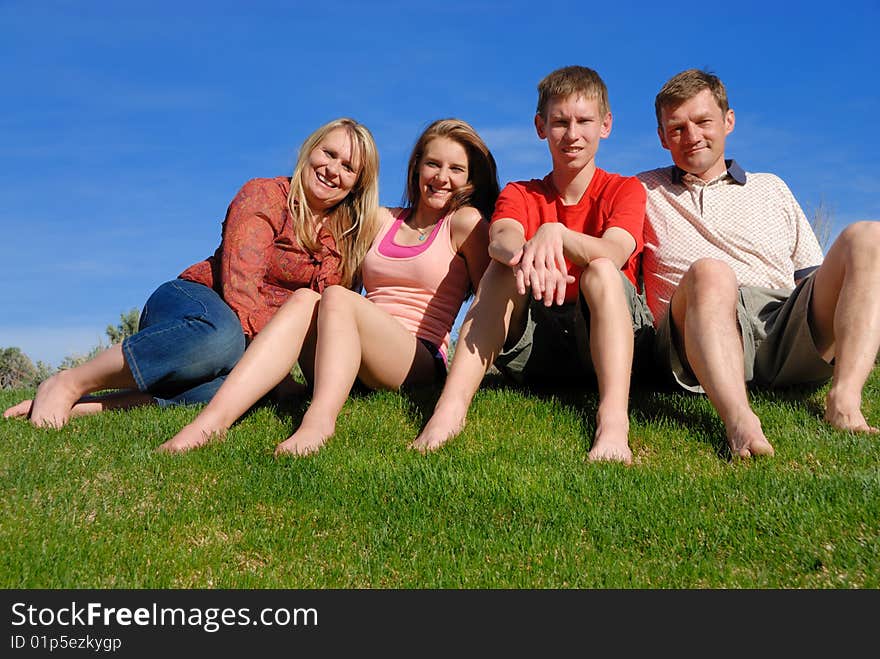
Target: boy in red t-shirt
x,y
559,301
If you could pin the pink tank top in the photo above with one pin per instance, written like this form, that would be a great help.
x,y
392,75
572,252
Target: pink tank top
x,y
422,286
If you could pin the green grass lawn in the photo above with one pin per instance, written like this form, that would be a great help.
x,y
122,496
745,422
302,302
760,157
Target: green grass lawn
x,y
511,503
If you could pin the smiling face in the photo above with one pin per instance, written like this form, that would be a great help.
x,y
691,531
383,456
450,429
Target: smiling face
x,y
332,170
694,132
443,169
573,127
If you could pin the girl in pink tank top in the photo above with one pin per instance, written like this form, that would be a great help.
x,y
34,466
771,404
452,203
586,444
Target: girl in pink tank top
x,y
425,260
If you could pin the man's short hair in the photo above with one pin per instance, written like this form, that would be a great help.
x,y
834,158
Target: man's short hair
x,y
687,84
572,80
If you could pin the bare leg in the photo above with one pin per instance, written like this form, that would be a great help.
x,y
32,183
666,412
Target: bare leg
x,y
265,363
355,339
496,308
58,394
845,320
611,349
704,309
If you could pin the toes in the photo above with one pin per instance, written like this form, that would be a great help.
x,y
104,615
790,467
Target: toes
x,y
22,409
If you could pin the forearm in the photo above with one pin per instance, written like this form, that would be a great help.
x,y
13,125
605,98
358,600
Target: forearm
x,y
506,242
580,248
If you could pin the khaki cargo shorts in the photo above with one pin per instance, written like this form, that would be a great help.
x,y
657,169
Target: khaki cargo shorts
x,y
778,347
555,344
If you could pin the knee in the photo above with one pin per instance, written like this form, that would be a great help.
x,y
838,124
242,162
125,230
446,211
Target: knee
x,y
222,343
299,298
861,238
599,277
335,299
708,280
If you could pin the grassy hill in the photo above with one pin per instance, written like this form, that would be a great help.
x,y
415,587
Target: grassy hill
x,y
511,503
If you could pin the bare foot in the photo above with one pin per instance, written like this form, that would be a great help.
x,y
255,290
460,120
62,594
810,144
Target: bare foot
x,y
305,441
746,438
438,431
191,436
853,422
611,442
846,415
55,398
20,410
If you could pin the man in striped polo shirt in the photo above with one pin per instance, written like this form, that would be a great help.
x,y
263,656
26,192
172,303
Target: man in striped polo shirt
x,y
736,280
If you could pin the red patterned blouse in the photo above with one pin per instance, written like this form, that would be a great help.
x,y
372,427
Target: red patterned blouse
x,y
260,262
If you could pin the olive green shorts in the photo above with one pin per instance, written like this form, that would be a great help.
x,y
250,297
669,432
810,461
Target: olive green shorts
x,y
778,347
555,344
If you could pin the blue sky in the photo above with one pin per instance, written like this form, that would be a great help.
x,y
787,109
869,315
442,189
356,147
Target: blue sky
x,y
126,128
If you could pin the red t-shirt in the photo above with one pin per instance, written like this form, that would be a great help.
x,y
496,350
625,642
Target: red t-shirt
x,y
611,200
260,261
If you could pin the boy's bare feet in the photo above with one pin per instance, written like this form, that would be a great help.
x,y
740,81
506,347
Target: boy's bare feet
x,y
440,429
611,442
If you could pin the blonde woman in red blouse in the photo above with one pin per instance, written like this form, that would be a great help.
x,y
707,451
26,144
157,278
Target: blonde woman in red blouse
x,y
423,262
280,235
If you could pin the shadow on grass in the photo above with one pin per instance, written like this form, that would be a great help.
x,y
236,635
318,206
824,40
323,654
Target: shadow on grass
x,y
652,402
808,398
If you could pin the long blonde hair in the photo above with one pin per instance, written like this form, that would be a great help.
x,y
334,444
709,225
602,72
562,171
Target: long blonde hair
x,y
354,221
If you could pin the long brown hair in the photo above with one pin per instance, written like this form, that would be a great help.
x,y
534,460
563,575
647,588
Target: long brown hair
x,y
482,187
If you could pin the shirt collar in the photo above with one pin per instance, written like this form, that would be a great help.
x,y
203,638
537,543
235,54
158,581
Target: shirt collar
x,y
736,172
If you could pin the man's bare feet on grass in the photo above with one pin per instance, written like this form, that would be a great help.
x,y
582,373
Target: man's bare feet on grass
x,y
438,431
611,443
746,438
846,415
305,441
190,437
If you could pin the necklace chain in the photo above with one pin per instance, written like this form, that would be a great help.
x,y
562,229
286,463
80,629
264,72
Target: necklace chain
x,y
423,233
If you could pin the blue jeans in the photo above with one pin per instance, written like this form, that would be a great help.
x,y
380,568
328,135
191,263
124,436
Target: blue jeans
x,y
188,340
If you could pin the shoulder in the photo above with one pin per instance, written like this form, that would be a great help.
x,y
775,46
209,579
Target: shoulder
x,y
653,178
616,184
390,213
275,185
466,217
532,186
765,179
260,201
264,190
385,218
467,226
535,190
765,186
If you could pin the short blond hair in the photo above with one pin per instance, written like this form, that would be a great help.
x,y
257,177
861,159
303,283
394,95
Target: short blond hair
x,y
571,81
685,85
